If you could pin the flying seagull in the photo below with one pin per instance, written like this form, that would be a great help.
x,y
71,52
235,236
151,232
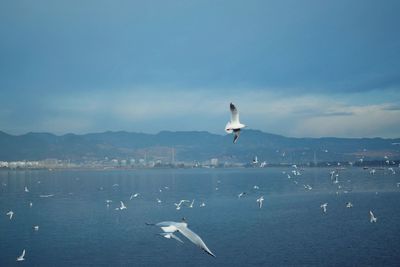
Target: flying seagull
x,y
170,227
260,201
234,125
122,207
134,196
21,258
372,217
323,206
349,205
10,213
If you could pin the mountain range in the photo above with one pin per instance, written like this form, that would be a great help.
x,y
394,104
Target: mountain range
x,y
194,146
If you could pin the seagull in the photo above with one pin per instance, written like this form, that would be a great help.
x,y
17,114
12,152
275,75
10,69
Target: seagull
x,y
30,204
241,194
122,207
202,204
256,187
372,217
255,160
234,125
134,196
159,201
170,227
260,201
323,206
26,189
191,204
10,213
51,195
178,205
21,258
349,205
36,227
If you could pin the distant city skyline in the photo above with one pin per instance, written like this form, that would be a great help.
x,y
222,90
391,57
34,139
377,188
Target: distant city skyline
x,y
294,68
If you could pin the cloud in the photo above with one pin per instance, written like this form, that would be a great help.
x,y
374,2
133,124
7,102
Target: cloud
x,y
152,110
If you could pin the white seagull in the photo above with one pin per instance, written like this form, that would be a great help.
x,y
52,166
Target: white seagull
x,y
10,213
191,204
234,125
241,194
171,227
323,206
202,204
159,201
36,227
21,258
122,207
260,201
178,205
26,189
372,217
134,196
349,205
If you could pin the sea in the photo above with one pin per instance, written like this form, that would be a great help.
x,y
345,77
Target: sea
x,y
78,228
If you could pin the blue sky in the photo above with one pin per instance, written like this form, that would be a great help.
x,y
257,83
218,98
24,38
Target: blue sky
x,y
296,68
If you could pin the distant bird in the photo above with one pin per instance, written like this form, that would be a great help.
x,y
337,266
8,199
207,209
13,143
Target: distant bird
x,y
323,206
178,205
36,227
115,185
50,195
307,186
256,187
241,194
26,189
372,171
21,258
122,207
10,213
260,201
170,227
255,160
349,205
134,196
372,217
30,204
234,125
202,204
159,201
191,204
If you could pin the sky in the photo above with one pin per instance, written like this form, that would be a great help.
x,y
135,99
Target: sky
x,y
307,68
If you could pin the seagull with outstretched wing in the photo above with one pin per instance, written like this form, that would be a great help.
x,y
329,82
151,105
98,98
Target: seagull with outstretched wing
x,y
234,125
169,228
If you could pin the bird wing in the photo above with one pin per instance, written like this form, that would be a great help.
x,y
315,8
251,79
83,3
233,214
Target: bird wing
x,y
194,238
228,127
234,114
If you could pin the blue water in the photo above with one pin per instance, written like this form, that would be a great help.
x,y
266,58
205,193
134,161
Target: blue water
x,y
77,228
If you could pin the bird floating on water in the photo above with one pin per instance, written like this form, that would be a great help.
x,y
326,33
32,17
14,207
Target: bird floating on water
x,y
349,205
234,125
10,213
